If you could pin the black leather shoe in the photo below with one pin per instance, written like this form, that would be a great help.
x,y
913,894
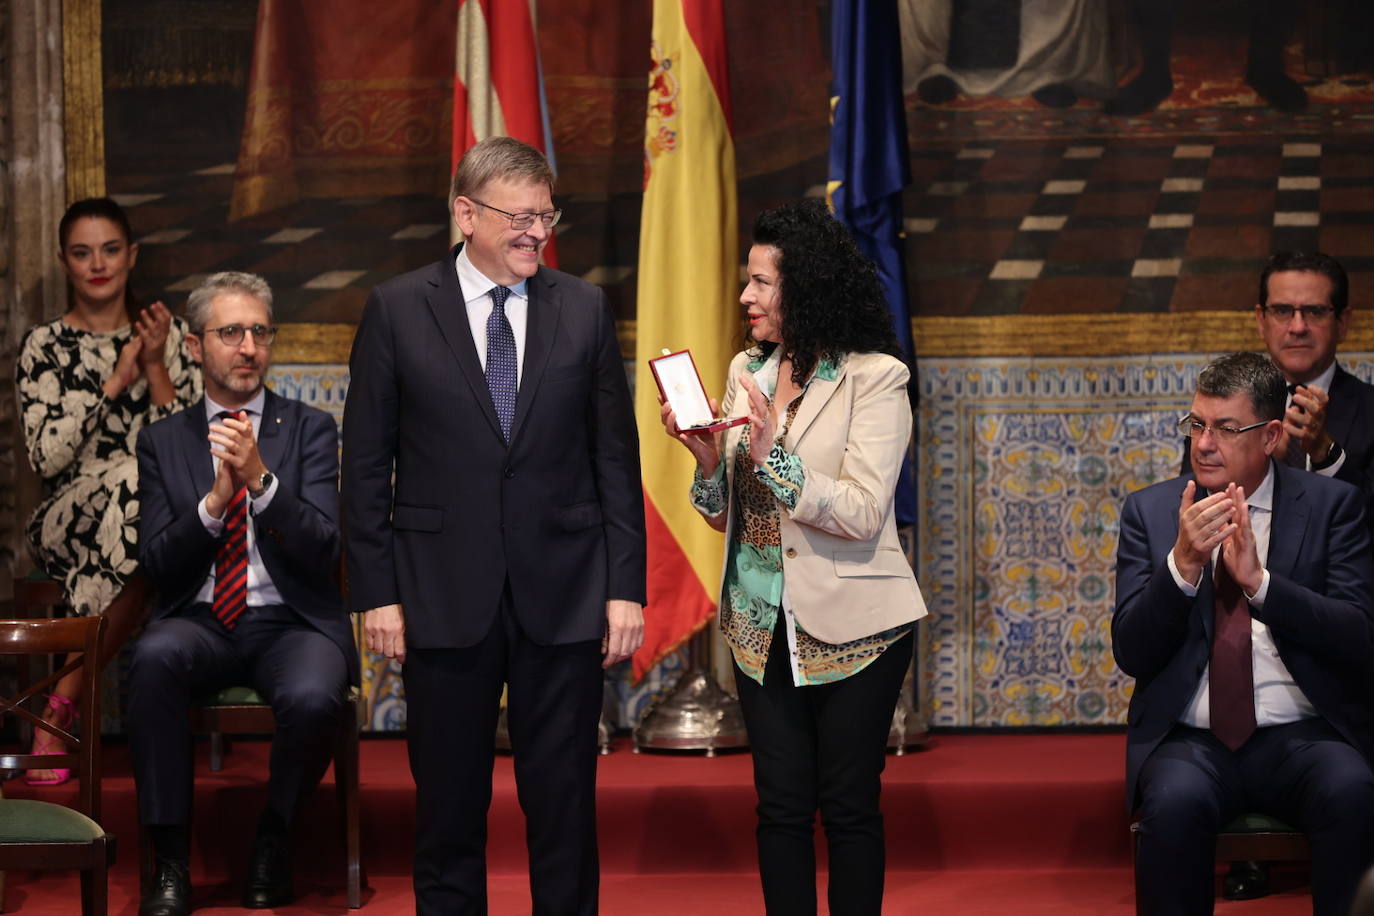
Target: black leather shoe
x,y
1246,881
170,893
269,875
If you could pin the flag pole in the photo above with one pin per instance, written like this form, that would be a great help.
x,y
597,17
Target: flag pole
x,y
697,715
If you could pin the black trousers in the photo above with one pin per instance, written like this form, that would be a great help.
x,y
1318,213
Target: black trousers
x,y
821,747
553,706
298,670
1304,773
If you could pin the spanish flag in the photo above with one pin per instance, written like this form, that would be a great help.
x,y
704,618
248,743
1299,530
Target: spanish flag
x,y
498,84
687,299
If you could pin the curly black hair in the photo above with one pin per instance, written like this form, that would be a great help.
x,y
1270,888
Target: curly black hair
x,y
832,301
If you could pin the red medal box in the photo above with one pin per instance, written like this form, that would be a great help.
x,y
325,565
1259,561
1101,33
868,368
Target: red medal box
x,y
679,384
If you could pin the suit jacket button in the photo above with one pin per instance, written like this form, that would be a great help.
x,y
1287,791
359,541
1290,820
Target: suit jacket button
x,y
791,552
510,472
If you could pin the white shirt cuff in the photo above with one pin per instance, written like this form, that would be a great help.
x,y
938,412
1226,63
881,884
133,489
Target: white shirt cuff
x,y
1189,589
260,503
214,526
1330,471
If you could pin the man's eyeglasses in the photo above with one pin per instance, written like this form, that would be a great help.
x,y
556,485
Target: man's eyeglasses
x,y
231,335
1312,314
1192,427
524,220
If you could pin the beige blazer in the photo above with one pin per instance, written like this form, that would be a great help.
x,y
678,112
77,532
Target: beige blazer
x,y
845,574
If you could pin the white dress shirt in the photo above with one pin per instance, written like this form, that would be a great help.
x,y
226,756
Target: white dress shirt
x,y
1278,699
479,305
261,591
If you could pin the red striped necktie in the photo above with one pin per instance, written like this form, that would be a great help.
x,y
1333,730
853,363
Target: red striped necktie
x,y
231,563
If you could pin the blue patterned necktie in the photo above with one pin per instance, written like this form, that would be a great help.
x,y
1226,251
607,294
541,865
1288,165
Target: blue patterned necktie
x,y
501,374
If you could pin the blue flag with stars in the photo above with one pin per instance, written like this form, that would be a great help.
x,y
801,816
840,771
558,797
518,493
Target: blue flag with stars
x,y
869,165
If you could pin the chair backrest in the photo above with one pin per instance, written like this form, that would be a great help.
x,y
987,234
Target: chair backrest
x,y
79,638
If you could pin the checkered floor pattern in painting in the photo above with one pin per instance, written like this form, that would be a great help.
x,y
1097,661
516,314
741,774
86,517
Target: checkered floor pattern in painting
x,y
1121,223
1129,224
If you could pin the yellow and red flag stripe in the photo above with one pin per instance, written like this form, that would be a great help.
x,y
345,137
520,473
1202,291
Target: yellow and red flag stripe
x,y
498,86
688,287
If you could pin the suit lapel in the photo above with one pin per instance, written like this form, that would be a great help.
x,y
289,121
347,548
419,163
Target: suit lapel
x,y
541,328
818,393
1342,406
200,464
271,443
446,301
1288,527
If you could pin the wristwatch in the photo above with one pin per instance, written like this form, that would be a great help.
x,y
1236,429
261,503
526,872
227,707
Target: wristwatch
x,y
260,487
1333,454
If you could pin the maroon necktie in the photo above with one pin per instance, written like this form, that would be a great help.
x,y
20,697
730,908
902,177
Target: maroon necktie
x,y
231,562
1231,678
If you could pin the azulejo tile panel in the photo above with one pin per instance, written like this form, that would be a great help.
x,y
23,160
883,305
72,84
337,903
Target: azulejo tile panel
x,y
1024,464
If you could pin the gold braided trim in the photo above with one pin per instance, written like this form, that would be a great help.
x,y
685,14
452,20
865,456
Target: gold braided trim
x,y
83,99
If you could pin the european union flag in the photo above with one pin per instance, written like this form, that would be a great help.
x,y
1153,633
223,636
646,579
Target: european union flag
x,y
868,161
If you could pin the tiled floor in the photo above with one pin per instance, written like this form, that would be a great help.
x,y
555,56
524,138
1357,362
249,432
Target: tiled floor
x,y
1040,213
1129,223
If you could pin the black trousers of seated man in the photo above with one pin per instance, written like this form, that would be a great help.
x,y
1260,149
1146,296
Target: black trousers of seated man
x,y
1303,773
821,746
300,672
453,698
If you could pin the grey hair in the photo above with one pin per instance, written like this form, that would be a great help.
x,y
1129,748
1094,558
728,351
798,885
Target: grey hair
x,y
495,158
1251,374
229,281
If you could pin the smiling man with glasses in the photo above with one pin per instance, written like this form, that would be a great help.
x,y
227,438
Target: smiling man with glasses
x,y
1245,612
239,539
495,523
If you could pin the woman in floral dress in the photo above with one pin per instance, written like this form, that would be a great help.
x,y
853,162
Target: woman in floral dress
x,y
88,382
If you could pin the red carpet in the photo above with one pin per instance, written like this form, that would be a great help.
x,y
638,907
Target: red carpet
x,y
975,824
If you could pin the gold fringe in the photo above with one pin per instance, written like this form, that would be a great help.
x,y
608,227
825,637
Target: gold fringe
x,y
83,116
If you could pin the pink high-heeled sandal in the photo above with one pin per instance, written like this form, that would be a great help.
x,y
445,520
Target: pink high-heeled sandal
x,y
62,714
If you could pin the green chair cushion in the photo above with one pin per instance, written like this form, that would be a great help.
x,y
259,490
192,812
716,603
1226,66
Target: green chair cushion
x,y
233,696
37,575
25,820
1258,823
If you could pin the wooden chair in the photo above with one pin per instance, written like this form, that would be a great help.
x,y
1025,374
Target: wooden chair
x,y
46,835
241,711
1251,837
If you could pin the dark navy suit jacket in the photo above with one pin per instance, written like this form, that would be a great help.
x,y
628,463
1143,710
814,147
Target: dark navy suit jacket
x,y
558,512
1319,609
297,535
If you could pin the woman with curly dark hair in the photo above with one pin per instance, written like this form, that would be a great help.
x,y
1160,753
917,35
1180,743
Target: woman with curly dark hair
x,y
818,600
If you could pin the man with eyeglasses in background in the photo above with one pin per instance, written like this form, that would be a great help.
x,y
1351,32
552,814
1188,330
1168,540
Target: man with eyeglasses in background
x,y
1245,612
1303,314
495,524
239,539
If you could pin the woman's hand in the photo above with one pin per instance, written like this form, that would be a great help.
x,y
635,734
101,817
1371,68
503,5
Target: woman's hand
x,y
127,368
761,423
704,446
151,327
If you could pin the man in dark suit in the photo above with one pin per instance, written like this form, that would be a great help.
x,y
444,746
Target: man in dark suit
x,y
508,547
1245,611
239,538
1303,315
